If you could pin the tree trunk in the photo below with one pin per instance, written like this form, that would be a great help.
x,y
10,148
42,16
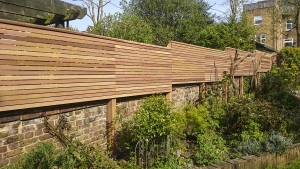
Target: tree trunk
x,y
100,10
297,26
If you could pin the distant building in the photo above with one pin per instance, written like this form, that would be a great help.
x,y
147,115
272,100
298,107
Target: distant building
x,y
274,27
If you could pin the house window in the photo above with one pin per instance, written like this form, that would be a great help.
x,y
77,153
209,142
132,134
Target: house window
x,y
288,42
289,25
258,20
261,38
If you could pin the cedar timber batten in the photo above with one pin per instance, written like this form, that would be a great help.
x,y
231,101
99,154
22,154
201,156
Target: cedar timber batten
x,y
241,80
111,115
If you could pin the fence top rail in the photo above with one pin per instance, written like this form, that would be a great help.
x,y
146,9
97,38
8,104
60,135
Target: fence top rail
x,y
23,24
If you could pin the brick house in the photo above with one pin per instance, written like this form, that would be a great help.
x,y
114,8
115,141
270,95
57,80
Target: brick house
x,y
273,25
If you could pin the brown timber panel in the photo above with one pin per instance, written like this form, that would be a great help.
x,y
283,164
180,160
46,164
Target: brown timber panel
x,y
142,70
44,68
218,62
188,63
266,63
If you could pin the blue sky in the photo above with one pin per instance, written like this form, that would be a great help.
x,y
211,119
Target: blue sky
x,y
82,24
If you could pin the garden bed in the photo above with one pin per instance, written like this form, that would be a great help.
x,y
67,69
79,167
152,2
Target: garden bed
x,y
260,162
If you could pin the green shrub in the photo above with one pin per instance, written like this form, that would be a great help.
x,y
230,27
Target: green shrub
x,y
198,120
290,56
153,121
211,149
251,117
278,86
276,143
171,162
79,155
75,155
40,157
279,79
247,146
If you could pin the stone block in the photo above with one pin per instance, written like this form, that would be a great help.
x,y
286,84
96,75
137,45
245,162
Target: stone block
x,y
28,135
78,122
44,137
13,146
40,125
28,141
4,162
3,149
14,138
38,132
13,153
3,135
12,132
15,125
13,159
29,147
26,129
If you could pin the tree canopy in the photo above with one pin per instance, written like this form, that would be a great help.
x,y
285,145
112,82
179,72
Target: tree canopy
x,y
171,19
189,21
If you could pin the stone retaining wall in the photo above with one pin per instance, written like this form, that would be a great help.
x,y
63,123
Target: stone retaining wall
x,y
22,130
184,94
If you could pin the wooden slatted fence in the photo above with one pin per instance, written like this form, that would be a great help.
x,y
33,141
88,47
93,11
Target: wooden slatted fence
x,y
43,66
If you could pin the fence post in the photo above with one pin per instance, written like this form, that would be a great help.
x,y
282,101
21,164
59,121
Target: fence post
x,y
241,85
201,89
169,96
111,115
258,78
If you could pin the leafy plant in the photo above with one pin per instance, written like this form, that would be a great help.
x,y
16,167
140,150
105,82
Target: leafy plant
x,y
276,143
123,26
290,56
40,157
211,149
251,117
79,155
198,120
247,146
152,121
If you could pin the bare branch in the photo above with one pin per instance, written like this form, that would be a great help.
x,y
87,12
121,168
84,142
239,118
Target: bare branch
x,y
96,9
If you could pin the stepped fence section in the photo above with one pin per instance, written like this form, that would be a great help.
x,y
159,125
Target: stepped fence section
x,y
44,66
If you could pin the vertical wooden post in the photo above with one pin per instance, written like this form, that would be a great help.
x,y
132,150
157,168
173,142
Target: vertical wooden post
x,y
169,96
225,90
111,115
201,89
241,85
258,78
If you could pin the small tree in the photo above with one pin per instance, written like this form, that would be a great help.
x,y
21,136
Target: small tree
x,y
95,8
124,26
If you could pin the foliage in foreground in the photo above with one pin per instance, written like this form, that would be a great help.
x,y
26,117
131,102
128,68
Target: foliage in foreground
x,y
274,143
81,157
292,165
